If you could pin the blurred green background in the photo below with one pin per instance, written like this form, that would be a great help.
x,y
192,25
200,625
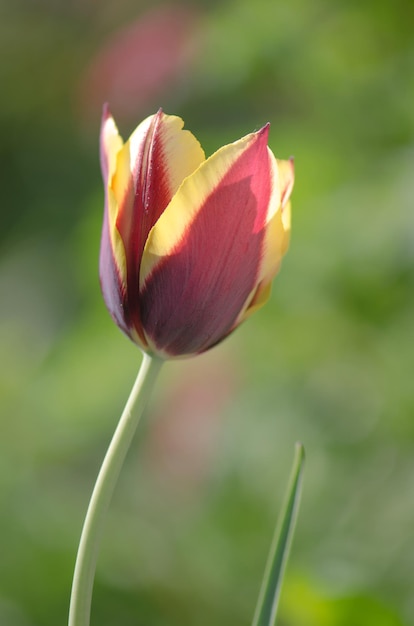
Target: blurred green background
x,y
329,361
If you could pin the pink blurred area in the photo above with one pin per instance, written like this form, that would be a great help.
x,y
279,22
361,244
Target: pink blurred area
x,y
138,64
181,444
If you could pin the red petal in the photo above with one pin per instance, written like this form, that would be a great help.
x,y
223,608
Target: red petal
x,y
148,170
192,297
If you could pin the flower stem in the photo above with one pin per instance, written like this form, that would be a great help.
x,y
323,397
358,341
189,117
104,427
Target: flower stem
x,y
81,596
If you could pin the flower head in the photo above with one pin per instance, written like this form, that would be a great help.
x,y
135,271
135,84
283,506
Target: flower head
x,y
189,245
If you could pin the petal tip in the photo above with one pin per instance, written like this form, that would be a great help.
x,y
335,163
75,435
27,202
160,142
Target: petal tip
x,y
106,113
264,131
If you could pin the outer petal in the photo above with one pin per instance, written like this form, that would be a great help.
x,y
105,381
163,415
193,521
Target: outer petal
x,y
148,170
277,233
203,257
112,264
110,144
286,180
278,227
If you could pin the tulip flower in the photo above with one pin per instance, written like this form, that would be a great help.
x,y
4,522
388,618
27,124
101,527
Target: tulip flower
x,y
190,245
189,249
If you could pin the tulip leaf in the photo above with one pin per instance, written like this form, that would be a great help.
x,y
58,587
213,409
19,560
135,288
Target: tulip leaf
x,y
266,609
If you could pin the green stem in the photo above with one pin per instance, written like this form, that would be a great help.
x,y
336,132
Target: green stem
x,y
81,596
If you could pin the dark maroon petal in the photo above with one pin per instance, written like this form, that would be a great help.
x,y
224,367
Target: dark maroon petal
x,y
193,296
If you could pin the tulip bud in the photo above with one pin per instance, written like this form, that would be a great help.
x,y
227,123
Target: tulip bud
x,y
189,245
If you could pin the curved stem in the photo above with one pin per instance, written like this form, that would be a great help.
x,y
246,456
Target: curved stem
x,y
80,601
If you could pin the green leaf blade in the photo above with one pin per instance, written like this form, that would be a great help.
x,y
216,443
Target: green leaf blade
x,y
267,605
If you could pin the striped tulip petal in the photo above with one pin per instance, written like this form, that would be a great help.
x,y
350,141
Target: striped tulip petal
x,y
189,246
277,235
203,257
112,263
141,177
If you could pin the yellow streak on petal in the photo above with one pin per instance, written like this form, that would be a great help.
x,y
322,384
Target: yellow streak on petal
x,y
117,245
187,202
118,188
286,178
260,297
286,219
111,144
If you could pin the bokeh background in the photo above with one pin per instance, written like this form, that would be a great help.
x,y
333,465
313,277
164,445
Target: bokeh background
x,y
329,361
